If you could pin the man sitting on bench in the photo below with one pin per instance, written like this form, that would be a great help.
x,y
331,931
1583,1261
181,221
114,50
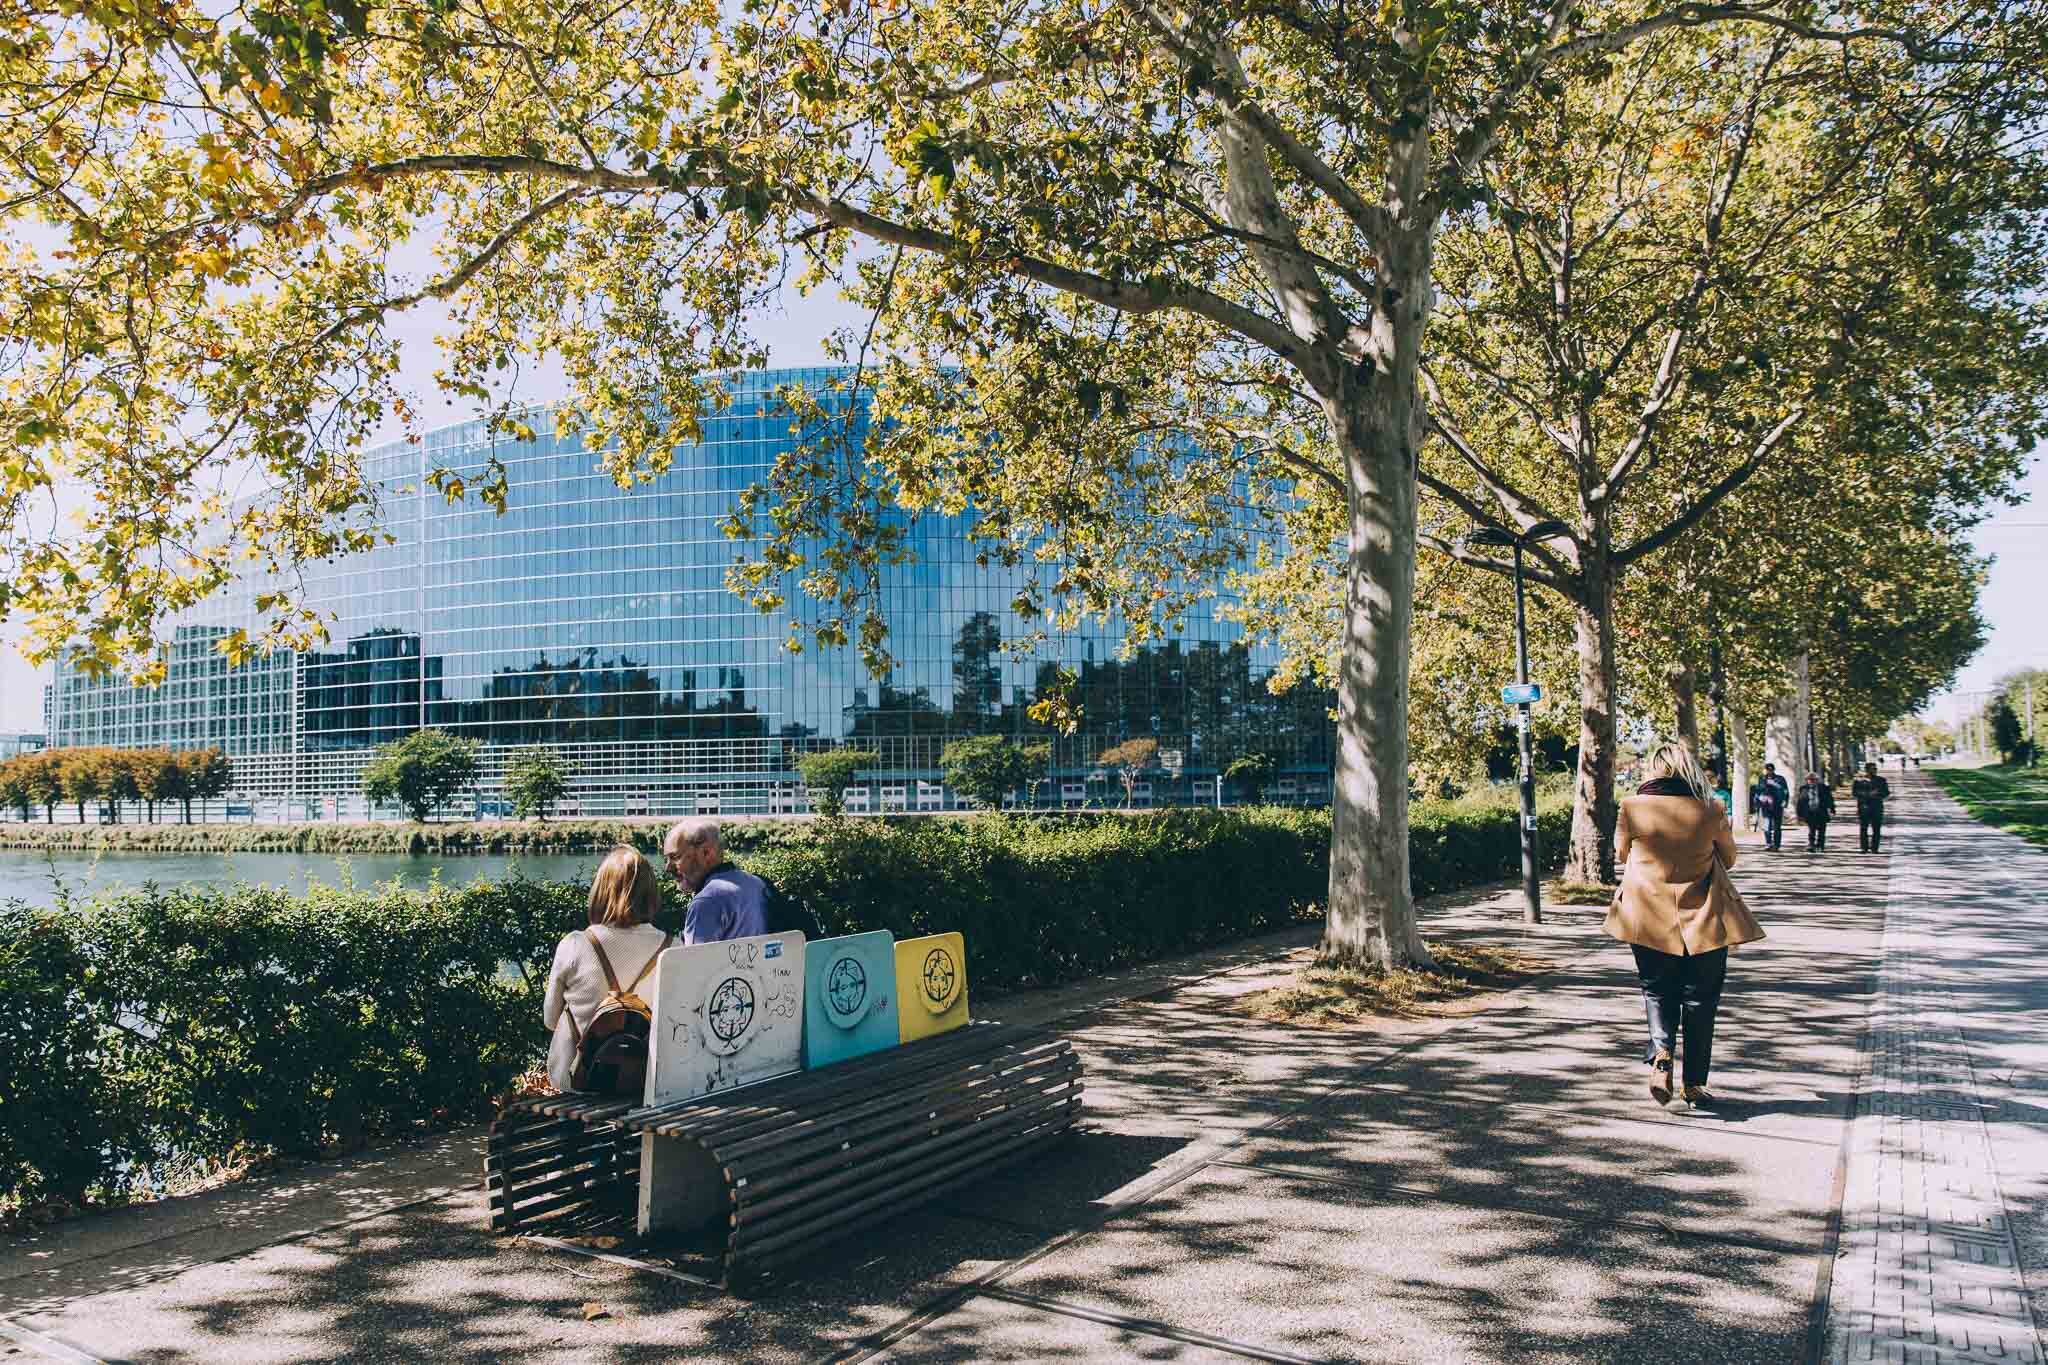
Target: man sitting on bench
x,y
728,902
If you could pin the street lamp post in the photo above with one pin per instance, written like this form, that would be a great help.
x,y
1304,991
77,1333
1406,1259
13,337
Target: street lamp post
x,y
1532,908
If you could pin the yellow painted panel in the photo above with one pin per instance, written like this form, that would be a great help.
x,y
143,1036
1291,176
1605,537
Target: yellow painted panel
x,y
931,985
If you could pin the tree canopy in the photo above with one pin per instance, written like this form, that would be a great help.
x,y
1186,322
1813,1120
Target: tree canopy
x,y
1142,278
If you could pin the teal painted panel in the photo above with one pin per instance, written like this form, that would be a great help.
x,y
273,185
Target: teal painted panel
x,y
849,997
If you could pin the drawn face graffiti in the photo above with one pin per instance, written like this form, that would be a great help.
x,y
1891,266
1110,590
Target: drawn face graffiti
x,y
731,1009
846,987
940,976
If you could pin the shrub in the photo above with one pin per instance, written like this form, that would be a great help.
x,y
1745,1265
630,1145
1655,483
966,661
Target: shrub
x,y
204,1021
986,768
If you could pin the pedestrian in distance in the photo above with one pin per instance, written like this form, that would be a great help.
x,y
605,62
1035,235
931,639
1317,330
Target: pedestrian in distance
x,y
1679,914
1871,792
1815,806
1768,798
601,1024
725,901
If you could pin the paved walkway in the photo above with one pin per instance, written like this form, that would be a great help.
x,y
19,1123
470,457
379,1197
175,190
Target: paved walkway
x,y
1950,1141
1494,1187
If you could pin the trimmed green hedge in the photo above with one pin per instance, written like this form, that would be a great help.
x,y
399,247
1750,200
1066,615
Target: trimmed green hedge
x,y
387,836
206,1021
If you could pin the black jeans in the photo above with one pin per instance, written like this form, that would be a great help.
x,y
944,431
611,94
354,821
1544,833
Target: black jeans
x,y
1816,834
1869,828
1682,993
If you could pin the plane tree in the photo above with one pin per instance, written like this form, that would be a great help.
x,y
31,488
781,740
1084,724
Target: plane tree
x,y
1109,234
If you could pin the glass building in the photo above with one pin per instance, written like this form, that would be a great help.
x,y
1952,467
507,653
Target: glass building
x,y
594,621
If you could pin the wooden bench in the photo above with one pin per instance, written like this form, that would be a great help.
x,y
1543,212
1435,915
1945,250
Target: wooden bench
x,y
801,1160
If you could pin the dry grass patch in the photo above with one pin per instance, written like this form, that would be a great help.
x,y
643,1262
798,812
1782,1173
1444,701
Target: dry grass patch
x,y
1323,996
1562,892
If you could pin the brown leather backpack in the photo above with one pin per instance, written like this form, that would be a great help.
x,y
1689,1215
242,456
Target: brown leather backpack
x,y
611,1054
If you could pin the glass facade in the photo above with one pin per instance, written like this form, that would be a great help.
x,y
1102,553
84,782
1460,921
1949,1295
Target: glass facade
x,y
594,620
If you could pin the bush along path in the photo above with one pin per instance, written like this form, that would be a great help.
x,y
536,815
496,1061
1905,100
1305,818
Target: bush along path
x,y
210,1024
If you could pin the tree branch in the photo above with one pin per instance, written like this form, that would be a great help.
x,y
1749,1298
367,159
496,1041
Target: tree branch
x,y
1504,567
1473,142
1706,502
1369,219
442,288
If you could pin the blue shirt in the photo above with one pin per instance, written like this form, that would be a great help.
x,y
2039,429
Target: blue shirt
x,y
730,904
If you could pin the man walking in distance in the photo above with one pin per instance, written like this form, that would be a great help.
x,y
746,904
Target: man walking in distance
x,y
1871,792
728,903
1769,798
1815,807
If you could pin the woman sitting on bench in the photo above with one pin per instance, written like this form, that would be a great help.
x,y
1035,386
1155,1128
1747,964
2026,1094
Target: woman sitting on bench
x,y
591,974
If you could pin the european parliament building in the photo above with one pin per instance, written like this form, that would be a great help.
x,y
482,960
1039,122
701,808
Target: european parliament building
x,y
594,621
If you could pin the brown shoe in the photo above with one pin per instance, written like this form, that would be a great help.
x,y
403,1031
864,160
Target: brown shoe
x,y
1660,1078
1698,1096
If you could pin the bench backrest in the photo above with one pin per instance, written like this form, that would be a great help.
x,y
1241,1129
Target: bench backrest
x,y
849,997
725,1014
931,976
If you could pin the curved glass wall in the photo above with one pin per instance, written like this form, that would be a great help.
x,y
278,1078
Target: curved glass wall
x,y
594,620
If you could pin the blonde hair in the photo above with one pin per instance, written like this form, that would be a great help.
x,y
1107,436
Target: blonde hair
x,y
1674,759
624,891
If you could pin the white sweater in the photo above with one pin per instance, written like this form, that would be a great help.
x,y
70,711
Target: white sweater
x,y
576,985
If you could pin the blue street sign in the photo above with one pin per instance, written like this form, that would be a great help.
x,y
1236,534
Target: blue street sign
x,y
1522,693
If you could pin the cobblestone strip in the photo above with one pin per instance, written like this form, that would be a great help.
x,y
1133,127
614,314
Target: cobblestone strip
x,y
1926,1269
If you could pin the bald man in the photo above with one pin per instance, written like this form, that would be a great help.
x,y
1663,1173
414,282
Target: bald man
x,y
728,903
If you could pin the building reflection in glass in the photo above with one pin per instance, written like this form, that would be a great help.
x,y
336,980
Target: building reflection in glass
x,y
594,620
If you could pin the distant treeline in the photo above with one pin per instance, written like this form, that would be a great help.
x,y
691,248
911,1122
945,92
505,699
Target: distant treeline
x,y
153,777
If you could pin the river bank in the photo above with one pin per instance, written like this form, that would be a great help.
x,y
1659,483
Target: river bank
x,y
382,836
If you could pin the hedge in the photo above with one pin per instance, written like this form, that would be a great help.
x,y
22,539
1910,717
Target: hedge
x,y
206,1021
388,836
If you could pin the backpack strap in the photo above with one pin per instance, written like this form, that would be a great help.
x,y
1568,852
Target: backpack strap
x,y
611,978
665,940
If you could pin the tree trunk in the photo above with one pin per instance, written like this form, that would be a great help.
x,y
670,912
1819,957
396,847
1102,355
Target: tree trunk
x,y
1376,420
1685,699
1592,852
1744,764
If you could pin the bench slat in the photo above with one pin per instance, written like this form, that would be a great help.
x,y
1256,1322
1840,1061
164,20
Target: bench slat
x,y
889,1128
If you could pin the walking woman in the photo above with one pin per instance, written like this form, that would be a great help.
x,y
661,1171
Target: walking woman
x,y
1678,912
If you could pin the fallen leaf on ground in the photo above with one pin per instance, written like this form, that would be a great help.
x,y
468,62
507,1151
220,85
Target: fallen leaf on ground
x,y
595,1310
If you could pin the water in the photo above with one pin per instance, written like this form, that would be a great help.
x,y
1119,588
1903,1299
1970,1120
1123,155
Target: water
x,y
27,876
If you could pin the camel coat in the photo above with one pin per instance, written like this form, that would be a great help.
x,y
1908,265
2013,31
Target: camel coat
x,y
1666,846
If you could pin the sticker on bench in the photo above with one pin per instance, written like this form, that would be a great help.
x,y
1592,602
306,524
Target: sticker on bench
x,y
725,1014
932,977
849,997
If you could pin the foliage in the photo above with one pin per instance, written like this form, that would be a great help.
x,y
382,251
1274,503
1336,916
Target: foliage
x,y
535,780
17,793
84,775
2007,734
208,774
1143,280
829,772
421,771
208,1021
1254,772
986,768
1130,760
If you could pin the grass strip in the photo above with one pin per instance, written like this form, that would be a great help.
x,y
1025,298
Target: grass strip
x,y
2014,799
